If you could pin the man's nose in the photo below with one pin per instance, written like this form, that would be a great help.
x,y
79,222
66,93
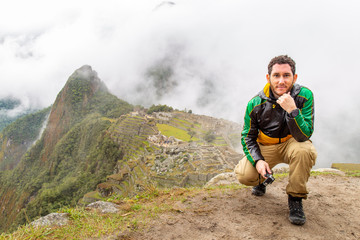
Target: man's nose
x,y
281,80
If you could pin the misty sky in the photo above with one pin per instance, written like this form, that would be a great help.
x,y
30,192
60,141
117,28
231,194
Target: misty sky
x,y
218,51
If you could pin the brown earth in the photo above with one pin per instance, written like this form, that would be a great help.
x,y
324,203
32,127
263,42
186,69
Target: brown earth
x,y
332,210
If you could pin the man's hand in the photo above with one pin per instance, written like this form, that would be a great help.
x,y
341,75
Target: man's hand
x,y
263,167
286,102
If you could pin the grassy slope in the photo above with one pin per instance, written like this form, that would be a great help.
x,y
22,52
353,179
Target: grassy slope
x,y
134,215
37,187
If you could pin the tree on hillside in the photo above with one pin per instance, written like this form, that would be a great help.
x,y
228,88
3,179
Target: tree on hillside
x,y
159,108
209,136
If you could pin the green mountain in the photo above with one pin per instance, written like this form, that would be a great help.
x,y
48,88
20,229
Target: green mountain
x,y
73,154
95,145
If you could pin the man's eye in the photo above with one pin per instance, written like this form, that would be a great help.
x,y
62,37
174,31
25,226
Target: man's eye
x,y
276,75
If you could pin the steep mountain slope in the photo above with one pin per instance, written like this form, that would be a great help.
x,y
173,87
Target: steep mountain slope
x,y
93,146
72,156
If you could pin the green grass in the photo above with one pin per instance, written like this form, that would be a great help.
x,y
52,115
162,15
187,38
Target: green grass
x,y
136,207
135,213
178,133
181,122
355,173
83,224
346,166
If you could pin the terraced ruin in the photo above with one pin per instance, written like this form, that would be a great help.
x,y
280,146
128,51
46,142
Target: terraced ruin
x,y
169,149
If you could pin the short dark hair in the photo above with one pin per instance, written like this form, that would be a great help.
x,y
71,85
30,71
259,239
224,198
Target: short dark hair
x,y
282,59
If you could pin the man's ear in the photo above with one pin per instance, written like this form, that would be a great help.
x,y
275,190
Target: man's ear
x,y
268,78
295,78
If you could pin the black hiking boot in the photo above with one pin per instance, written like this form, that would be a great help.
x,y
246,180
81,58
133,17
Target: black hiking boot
x,y
258,190
296,215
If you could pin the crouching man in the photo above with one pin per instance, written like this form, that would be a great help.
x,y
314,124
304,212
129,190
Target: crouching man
x,y
278,124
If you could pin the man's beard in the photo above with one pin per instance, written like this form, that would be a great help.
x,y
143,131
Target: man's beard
x,y
287,90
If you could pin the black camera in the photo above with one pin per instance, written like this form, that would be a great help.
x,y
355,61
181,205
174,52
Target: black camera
x,y
270,178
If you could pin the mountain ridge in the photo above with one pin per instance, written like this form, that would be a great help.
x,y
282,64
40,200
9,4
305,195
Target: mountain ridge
x,y
70,104
95,146
46,171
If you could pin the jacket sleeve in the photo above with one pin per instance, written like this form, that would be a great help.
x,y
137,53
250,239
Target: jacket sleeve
x,y
249,136
302,126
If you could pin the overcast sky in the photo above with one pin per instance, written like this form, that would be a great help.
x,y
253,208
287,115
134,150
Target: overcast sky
x,y
218,49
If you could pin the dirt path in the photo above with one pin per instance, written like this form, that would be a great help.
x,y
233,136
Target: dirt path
x,y
332,210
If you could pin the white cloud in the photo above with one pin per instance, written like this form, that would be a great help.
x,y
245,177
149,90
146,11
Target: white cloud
x,y
223,44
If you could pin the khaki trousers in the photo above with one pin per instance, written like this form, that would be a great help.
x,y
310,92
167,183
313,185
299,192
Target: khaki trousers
x,y
300,156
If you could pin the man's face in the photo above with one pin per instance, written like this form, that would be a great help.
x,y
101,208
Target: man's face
x,y
281,79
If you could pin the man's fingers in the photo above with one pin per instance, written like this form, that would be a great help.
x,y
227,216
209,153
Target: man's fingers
x,y
263,168
268,169
263,173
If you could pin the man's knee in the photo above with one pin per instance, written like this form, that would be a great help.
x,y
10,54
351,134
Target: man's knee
x,y
304,151
243,179
246,174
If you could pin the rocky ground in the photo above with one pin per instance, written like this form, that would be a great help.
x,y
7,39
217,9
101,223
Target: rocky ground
x,y
332,211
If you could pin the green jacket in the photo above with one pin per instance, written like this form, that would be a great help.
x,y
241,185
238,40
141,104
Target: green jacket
x,y
267,123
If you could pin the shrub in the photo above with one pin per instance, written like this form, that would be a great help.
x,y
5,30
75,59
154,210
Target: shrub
x,y
209,136
159,108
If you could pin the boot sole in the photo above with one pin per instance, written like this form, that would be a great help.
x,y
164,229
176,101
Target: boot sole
x,y
259,194
297,221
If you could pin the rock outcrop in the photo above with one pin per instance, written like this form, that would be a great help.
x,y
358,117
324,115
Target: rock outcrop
x,y
52,219
103,207
222,179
